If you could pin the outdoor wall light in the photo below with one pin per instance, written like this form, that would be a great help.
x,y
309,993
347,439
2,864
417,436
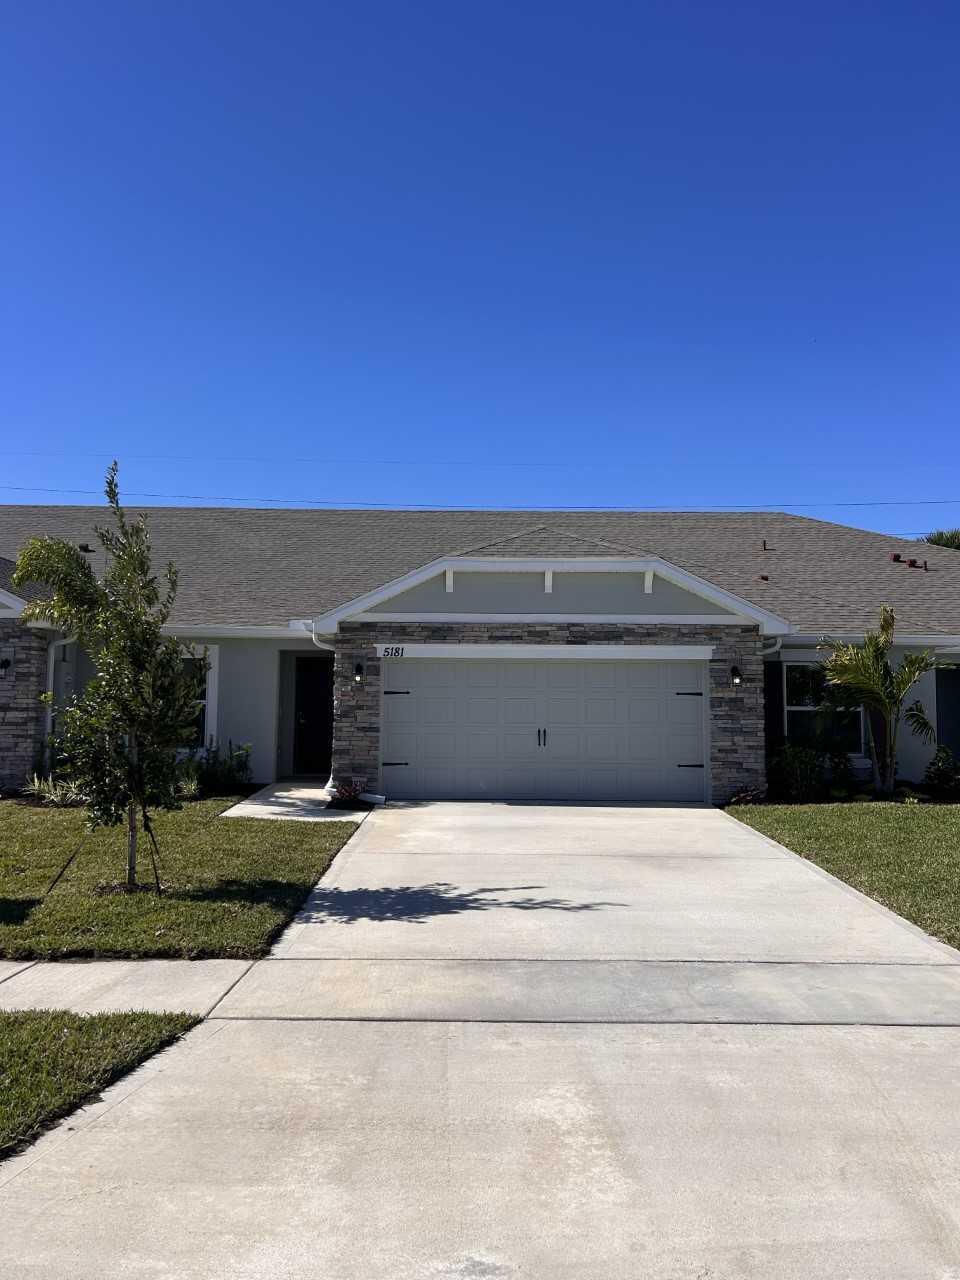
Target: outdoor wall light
x,y
5,665
736,675
358,673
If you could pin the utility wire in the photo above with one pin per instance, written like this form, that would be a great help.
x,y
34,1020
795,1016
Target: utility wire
x,y
430,506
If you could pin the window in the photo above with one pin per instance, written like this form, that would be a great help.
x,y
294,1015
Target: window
x,y
204,730
808,722
198,733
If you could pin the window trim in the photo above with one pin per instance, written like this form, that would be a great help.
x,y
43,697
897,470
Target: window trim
x,y
788,707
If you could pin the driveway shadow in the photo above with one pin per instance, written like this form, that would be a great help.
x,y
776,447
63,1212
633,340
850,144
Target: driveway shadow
x,y
415,904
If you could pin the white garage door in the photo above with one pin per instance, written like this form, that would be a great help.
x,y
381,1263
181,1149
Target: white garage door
x,y
464,729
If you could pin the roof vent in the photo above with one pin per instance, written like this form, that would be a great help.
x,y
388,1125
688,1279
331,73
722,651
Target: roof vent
x,y
896,557
764,577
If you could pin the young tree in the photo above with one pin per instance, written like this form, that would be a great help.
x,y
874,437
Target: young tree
x,y
866,672
944,538
121,733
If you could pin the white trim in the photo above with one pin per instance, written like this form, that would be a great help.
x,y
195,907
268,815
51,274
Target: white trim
x,y
211,723
648,582
593,652
237,632
713,619
770,623
448,581
906,641
10,602
548,582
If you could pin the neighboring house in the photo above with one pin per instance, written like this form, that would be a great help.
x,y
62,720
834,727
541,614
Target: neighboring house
x,y
509,655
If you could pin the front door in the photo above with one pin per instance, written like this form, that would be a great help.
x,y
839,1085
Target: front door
x,y
313,716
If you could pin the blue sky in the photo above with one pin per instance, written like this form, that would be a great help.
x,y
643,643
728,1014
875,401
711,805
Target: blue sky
x,y
637,254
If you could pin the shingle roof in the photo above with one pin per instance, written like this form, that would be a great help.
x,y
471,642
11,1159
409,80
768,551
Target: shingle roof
x,y
29,592
264,567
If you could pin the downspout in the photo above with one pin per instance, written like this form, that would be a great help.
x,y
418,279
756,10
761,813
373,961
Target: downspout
x,y
328,648
51,668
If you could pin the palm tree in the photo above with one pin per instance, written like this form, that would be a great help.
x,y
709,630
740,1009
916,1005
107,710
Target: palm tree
x,y
944,538
865,670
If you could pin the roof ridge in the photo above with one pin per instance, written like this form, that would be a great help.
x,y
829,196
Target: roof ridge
x,y
489,544
496,542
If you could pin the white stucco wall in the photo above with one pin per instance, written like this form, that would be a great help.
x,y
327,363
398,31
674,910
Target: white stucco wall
x,y
248,697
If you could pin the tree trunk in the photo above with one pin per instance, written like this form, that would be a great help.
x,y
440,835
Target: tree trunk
x,y
132,819
131,845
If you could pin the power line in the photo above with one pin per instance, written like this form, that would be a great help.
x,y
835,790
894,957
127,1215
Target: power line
x,y
430,506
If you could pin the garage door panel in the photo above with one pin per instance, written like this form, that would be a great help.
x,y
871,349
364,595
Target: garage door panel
x,y
684,712
481,746
399,709
521,711
564,743
482,711
520,744
481,675
597,710
600,675
647,710
437,710
561,709
431,745
615,730
684,675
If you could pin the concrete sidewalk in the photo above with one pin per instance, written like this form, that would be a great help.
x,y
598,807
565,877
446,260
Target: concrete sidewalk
x,y
293,802
107,986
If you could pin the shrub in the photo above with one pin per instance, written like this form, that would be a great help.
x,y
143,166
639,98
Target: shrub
x,y
942,778
798,775
210,772
56,792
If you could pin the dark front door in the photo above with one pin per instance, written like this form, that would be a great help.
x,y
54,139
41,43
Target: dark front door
x,y
313,716
948,708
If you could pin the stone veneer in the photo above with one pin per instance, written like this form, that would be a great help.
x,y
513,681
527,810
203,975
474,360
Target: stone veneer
x,y
736,712
22,714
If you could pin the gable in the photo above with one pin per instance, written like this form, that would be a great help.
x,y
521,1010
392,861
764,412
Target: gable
x,y
551,589
574,594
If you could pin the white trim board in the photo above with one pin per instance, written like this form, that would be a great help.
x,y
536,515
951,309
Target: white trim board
x,y
770,623
638,619
8,601
562,652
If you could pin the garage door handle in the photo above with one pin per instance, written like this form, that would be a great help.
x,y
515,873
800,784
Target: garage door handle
x,y
538,737
689,766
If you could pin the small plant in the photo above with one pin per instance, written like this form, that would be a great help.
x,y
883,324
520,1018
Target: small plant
x,y
189,787
942,778
56,792
216,773
798,775
348,795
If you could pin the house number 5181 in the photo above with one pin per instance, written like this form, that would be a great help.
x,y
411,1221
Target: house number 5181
x,y
393,650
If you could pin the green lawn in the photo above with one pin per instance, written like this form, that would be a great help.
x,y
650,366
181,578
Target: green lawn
x,y
52,1061
230,885
905,856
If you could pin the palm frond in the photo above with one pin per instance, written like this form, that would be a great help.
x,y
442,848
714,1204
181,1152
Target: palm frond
x,y
919,723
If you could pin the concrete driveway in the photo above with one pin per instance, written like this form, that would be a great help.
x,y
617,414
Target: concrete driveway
x,y
544,1042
